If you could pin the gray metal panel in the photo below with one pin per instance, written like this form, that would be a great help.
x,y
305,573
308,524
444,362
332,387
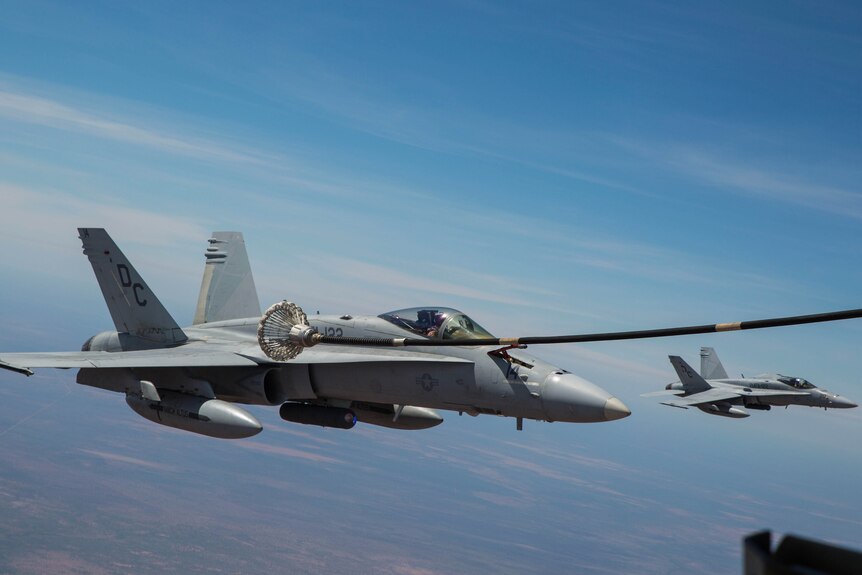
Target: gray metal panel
x,y
708,396
223,358
424,384
197,355
710,365
663,392
227,289
769,392
134,308
344,354
691,381
148,358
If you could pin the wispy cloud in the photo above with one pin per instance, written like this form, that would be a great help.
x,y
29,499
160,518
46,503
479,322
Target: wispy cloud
x,y
500,500
44,217
742,176
42,225
220,146
403,567
571,472
768,184
571,456
276,174
441,123
631,368
393,278
285,452
581,247
25,108
307,436
118,458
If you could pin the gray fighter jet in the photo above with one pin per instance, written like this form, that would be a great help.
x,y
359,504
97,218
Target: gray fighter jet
x,y
193,378
715,393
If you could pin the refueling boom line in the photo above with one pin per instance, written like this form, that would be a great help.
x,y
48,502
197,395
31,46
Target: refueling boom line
x,y
284,332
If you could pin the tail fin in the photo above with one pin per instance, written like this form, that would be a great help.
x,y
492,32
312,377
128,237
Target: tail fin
x,y
710,365
227,289
691,381
134,308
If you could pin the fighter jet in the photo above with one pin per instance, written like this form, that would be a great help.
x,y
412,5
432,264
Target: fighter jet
x,y
193,378
715,393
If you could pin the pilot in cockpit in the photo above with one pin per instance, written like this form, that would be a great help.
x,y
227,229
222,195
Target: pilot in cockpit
x,y
428,322
439,318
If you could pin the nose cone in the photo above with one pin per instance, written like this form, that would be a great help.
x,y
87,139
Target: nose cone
x,y
567,397
616,409
837,401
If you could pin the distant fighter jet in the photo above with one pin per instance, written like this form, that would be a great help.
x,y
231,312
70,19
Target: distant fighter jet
x,y
715,393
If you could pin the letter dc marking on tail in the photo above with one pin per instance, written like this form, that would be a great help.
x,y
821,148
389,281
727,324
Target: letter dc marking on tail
x,y
126,281
686,370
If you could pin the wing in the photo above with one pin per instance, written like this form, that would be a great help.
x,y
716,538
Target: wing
x,y
176,357
204,355
709,396
747,392
348,354
726,394
663,392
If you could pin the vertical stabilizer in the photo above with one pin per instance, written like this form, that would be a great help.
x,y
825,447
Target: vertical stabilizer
x,y
134,308
691,381
227,290
710,365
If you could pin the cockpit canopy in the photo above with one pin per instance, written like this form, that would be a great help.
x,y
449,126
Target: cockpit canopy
x,y
436,323
796,382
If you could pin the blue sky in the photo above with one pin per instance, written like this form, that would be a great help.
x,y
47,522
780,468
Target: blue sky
x,y
546,167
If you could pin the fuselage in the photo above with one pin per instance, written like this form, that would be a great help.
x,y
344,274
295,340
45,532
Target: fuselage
x,y
468,380
799,394
513,383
